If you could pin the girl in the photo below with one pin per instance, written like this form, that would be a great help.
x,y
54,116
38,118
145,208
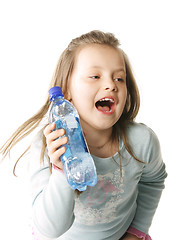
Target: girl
x,y
95,75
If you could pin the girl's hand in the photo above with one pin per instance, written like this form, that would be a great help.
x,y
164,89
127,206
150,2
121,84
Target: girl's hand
x,y
54,144
131,237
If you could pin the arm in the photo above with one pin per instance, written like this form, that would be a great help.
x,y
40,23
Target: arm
x,y
130,237
53,199
151,184
134,234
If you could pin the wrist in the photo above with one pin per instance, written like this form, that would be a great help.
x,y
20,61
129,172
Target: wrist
x,y
140,235
131,237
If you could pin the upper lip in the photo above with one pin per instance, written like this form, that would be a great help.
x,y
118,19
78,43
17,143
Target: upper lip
x,y
107,98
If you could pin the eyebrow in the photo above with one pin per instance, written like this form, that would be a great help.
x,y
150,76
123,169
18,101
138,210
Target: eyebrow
x,y
116,70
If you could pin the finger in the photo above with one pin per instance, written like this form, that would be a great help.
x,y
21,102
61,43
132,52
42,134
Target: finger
x,y
57,144
49,128
58,165
54,135
55,157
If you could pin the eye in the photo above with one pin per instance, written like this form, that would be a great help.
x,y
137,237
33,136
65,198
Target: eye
x,y
94,77
119,80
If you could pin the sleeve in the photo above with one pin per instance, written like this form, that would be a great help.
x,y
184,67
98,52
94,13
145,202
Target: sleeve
x,y
150,185
138,233
52,197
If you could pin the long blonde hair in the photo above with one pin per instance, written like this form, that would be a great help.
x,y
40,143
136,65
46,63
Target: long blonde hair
x,y
60,78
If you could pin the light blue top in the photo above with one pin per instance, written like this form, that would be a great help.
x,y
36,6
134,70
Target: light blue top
x,y
106,211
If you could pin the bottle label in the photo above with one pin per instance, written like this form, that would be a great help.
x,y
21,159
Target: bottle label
x,y
70,121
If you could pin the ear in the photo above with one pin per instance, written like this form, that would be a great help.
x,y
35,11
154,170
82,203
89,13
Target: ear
x,y
68,96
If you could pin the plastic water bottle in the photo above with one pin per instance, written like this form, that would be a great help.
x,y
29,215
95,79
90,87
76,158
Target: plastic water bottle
x,y
77,162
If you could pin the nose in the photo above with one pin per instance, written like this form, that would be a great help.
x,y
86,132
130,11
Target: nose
x,y
110,85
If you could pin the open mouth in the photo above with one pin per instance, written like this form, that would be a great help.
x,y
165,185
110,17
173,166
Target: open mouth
x,y
106,105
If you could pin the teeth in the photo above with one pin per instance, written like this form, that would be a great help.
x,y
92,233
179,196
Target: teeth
x,y
107,99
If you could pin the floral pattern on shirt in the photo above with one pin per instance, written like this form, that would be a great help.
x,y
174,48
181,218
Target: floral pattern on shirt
x,y
101,200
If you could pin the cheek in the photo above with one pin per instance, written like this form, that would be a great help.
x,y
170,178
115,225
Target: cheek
x,y
123,103
81,100
76,87
81,94
124,96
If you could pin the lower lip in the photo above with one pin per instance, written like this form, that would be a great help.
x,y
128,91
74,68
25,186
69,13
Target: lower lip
x,y
107,112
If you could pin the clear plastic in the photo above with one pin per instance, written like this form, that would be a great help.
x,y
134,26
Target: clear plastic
x,y
77,162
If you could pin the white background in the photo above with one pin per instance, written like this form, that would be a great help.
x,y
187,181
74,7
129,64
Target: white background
x,y
154,34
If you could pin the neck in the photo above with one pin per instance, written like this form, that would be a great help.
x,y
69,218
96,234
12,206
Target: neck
x,y
101,142
97,138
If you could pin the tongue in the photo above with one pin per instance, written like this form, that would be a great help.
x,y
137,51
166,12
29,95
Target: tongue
x,y
104,108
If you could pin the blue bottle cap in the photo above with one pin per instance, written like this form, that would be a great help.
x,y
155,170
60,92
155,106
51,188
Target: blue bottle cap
x,y
55,92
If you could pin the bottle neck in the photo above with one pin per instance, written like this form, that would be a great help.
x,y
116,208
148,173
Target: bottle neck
x,y
56,98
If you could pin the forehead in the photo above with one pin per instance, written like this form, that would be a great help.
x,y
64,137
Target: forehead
x,y
99,55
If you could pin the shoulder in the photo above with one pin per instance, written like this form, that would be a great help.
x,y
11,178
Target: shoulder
x,y
38,136
34,157
139,131
143,140
37,139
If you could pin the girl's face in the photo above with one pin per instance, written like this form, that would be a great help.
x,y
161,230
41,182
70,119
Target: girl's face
x,y
97,86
